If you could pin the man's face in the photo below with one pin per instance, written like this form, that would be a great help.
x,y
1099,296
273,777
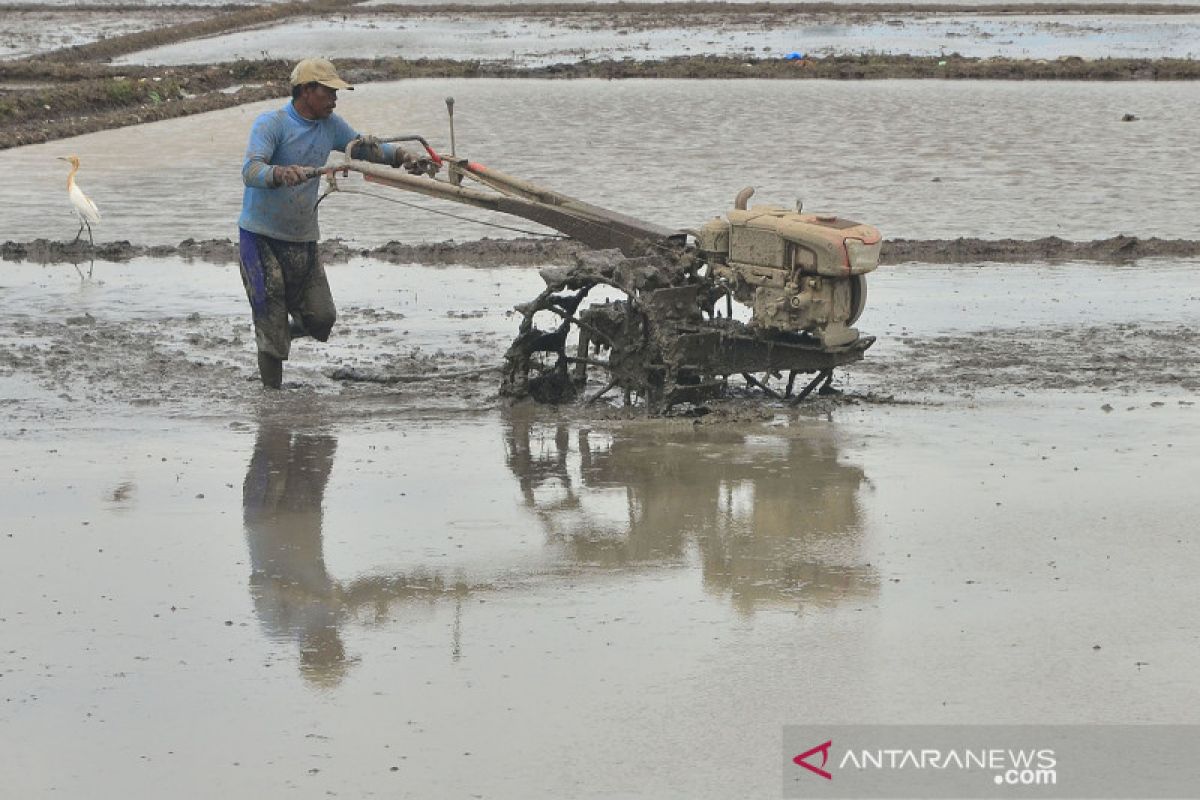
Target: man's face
x,y
318,101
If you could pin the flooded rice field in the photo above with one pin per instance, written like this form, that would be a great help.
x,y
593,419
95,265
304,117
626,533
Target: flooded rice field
x,y
395,4
324,608
27,33
407,590
385,580
522,41
127,5
173,338
927,159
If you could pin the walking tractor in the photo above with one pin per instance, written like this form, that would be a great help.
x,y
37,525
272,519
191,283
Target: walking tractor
x,y
649,312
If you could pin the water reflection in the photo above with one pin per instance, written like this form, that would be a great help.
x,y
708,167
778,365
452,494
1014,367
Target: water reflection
x,y
293,593
771,518
761,519
295,597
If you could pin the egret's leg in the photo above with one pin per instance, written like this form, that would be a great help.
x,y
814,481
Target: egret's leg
x,y
91,241
77,235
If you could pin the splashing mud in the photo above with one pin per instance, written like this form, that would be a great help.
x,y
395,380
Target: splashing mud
x,y
419,340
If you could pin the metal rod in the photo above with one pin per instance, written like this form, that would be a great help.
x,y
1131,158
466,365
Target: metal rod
x,y
583,326
581,363
587,362
602,392
753,381
824,374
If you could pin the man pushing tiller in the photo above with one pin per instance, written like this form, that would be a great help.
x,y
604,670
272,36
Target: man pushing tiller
x,y
278,226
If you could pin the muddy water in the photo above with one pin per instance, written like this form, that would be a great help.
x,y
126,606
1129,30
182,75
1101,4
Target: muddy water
x,y
534,43
920,159
405,590
175,338
287,600
29,32
149,4
965,3
163,335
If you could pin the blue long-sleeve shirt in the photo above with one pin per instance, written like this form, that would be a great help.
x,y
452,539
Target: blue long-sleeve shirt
x,y
280,138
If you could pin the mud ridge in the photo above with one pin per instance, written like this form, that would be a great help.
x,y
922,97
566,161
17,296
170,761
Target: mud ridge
x,y
86,98
1117,249
1123,358
658,8
670,9
481,252
541,252
244,17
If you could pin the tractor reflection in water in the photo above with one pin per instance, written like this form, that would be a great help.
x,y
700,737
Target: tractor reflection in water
x,y
764,518
771,518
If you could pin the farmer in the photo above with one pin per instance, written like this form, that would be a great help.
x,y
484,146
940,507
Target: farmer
x,y
278,226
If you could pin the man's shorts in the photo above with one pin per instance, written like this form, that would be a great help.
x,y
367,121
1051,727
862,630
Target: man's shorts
x,y
283,278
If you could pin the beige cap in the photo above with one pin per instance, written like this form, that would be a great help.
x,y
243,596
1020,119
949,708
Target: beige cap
x,y
318,70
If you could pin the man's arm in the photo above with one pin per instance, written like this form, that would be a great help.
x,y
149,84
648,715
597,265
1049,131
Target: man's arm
x,y
369,149
257,169
374,151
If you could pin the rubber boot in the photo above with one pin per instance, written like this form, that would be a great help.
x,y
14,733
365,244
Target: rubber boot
x,y
270,369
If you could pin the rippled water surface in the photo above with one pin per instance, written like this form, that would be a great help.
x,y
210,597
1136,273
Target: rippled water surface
x,y
533,42
150,3
917,158
288,602
393,592
404,590
30,32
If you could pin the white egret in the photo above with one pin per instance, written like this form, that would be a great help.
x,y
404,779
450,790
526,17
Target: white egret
x,y
86,210
88,214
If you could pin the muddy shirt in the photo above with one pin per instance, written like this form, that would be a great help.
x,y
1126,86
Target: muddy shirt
x,y
280,138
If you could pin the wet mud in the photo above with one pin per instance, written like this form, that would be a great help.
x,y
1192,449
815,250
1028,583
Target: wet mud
x,y
546,39
73,90
416,588
1119,359
239,17
480,253
40,30
105,97
487,253
429,340
1117,249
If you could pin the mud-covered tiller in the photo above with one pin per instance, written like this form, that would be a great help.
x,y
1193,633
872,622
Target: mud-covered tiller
x,y
664,332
